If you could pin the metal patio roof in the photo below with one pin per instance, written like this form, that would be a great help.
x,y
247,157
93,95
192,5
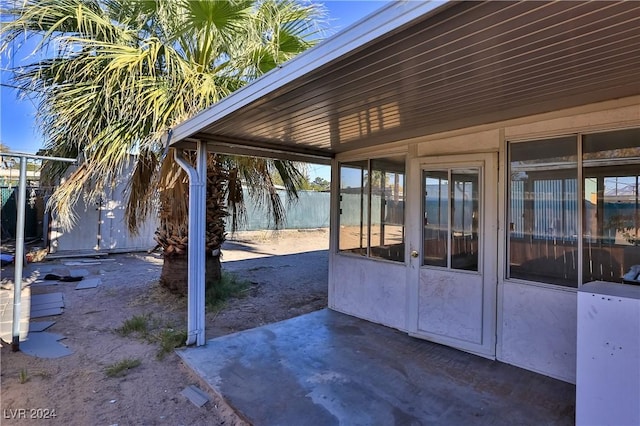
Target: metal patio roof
x,y
418,68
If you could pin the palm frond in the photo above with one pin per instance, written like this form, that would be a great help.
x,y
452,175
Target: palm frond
x,y
47,19
112,75
141,190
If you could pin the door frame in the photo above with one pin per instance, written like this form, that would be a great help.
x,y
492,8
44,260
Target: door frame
x,y
488,162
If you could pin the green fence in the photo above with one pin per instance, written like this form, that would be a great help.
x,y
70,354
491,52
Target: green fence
x,y
34,213
310,210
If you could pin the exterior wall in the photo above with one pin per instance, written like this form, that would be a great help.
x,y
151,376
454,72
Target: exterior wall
x,y
591,118
538,329
102,229
114,234
536,323
83,236
369,289
482,141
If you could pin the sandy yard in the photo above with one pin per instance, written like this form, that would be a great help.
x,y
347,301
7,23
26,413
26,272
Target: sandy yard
x,y
78,390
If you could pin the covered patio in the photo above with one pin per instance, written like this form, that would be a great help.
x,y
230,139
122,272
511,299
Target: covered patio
x,y
327,368
471,143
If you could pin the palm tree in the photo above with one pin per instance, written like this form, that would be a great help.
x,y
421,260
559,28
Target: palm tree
x,y
225,177
112,76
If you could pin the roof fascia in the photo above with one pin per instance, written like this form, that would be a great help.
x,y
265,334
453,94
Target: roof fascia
x,y
249,150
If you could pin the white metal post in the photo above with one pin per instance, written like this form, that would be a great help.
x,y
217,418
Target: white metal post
x,y
19,255
196,253
200,218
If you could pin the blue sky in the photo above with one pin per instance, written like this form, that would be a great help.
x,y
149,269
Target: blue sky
x,y
17,127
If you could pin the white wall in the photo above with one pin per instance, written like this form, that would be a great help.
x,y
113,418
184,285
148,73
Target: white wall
x,y
537,329
369,289
114,233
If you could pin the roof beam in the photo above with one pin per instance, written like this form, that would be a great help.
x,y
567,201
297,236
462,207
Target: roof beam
x,y
256,149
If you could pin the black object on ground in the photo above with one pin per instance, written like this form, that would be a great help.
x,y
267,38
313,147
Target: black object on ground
x,y
66,278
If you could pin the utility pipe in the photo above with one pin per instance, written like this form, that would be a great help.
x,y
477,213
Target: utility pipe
x,y
19,254
196,250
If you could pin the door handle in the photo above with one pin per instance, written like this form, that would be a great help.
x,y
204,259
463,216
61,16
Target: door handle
x,y
414,253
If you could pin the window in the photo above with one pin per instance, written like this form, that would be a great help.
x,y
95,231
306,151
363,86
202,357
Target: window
x,y
543,211
354,206
544,206
611,245
436,218
451,218
372,208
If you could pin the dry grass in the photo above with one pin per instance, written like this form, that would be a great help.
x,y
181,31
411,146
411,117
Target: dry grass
x,y
121,368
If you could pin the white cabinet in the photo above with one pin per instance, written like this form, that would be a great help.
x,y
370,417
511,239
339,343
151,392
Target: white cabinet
x,y
608,355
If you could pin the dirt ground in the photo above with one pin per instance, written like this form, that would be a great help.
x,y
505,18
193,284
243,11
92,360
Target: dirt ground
x,y
77,389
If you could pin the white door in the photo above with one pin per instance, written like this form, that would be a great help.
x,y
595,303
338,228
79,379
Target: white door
x,y
453,247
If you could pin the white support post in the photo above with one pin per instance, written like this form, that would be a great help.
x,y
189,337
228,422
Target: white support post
x,y
200,236
196,250
19,256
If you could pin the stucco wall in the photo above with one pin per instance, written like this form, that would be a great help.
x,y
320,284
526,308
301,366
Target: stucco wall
x,y
537,324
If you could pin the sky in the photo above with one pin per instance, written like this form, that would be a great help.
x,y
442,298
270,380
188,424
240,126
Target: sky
x,y
17,124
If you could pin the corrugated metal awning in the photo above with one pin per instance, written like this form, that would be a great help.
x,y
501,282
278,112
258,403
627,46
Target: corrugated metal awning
x,y
419,68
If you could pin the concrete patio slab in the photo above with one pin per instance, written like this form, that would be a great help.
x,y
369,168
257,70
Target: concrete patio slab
x,y
78,272
48,304
90,283
37,326
328,368
45,345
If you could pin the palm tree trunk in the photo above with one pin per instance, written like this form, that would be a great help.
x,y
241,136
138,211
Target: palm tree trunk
x,y
174,274
174,241
173,237
216,214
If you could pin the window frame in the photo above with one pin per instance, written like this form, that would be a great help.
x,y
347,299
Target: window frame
x,y
368,202
579,138
556,172
450,169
